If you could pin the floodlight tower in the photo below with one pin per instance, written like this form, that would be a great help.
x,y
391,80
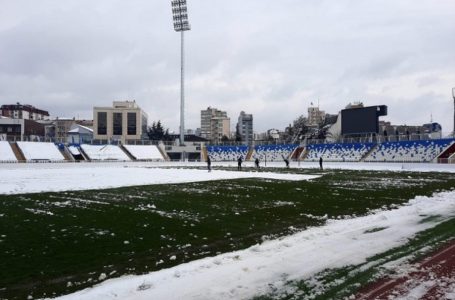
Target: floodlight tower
x,y
181,24
453,95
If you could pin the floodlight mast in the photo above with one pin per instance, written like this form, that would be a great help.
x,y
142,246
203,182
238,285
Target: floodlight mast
x,y
181,24
453,95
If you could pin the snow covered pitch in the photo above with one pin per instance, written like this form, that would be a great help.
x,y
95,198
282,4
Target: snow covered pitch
x,y
176,231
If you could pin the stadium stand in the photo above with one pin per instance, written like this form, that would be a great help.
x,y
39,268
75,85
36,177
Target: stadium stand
x,y
226,153
144,152
273,152
38,151
448,155
104,152
338,152
76,152
409,151
297,154
6,152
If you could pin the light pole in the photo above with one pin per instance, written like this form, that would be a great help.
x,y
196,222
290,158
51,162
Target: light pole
x,y
453,95
181,24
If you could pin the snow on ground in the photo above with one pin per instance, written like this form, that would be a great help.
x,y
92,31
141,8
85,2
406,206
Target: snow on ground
x,y
144,152
33,178
74,150
246,273
104,152
6,153
40,151
372,166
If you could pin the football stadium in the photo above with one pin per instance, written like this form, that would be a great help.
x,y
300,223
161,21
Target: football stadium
x,y
98,202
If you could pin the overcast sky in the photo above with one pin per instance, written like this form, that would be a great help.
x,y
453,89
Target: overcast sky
x,y
269,58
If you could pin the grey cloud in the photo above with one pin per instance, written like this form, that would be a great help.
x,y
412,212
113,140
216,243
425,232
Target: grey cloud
x,y
269,58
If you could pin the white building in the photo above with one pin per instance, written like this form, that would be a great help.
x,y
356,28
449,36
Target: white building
x,y
214,124
124,121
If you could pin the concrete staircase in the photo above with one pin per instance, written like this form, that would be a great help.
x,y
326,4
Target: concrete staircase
x,y
18,152
446,155
130,156
250,153
66,154
369,152
295,155
162,149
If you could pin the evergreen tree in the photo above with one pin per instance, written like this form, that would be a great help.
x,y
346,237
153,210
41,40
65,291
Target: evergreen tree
x,y
157,133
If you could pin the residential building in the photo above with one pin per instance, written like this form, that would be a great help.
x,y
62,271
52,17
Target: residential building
x,y
214,124
315,116
245,128
124,121
20,130
23,111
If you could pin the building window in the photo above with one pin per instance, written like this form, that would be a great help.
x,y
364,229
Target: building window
x,y
132,124
117,123
102,123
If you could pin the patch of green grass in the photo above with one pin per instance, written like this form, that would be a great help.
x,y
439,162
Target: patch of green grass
x,y
430,219
50,239
377,229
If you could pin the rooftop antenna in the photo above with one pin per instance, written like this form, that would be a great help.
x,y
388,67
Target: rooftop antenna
x,y
181,24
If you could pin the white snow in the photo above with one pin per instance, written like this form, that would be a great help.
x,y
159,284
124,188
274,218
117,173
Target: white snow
x,y
6,153
144,152
247,273
104,152
40,151
74,150
32,178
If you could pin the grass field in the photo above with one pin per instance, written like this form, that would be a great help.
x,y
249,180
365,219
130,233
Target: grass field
x,y
56,243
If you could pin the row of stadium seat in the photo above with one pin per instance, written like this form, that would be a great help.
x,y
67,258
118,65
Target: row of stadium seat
x,y
403,151
411,151
39,151
338,152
